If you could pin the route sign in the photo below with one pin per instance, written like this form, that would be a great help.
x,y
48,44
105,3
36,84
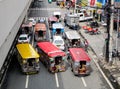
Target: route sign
x,y
117,3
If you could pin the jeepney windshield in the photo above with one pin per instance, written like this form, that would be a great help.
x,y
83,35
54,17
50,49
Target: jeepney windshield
x,y
74,19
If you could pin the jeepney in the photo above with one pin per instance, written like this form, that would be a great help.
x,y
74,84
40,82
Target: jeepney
x,y
28,58
57,29
57,14
52,57
72,39
40,31
52,20
27,27
79,61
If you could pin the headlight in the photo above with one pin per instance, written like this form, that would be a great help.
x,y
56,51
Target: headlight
x,y
24,61
36,60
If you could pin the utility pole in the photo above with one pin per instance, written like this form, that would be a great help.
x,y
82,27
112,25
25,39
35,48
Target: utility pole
x,y
109,39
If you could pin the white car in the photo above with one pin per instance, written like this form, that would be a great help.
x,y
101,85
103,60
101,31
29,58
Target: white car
x,y
59,42
32,20
23,38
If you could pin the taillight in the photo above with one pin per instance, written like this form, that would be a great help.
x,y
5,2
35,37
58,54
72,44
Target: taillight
x,y
54,68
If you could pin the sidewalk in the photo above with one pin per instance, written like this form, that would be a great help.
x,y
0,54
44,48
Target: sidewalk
x,y
97,44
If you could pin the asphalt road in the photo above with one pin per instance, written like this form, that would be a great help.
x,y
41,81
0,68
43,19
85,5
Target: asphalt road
x,y
45,80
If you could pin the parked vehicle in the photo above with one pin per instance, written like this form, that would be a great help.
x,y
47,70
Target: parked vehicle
x,y
84,17
72,39
24,38
95,31
72,20
52,57
40,31
52,20
28,58
94,24
59,42
57,29
79,61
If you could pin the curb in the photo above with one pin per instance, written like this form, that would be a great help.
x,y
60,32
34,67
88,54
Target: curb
x,y
101,69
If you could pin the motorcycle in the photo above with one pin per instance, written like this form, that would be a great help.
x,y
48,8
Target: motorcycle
x,y
95,32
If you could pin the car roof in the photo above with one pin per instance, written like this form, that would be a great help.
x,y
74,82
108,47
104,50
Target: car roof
x,y
72,34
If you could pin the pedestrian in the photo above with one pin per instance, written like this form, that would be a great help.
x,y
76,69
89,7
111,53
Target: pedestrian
x,y
86,44
119,32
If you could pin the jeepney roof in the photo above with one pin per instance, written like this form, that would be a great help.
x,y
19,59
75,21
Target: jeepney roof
x,y
27,24
57,13
50,49
27,51
40,26
53,18
57,26
79,54
72,35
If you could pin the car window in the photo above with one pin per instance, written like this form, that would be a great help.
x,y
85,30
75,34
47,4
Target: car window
x,y
22,38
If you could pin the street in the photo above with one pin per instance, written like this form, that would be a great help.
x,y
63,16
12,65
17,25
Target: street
x,y
62,80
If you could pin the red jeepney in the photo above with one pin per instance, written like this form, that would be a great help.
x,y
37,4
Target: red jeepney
x,y
51,56
52,20
40,31
80,61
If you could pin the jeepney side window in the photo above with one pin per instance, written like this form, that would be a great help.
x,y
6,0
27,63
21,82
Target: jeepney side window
x,y
87,63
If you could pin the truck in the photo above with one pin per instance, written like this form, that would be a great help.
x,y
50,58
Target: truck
x,y
72,20
84,15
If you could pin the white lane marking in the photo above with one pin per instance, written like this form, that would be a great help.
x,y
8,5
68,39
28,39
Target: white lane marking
x,y
83,80
45,9
27,80
56,78
109,83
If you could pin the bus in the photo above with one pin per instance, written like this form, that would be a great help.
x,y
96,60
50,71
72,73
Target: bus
x,y
28,58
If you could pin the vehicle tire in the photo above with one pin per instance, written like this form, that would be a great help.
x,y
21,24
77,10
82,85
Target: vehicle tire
x,y
91,33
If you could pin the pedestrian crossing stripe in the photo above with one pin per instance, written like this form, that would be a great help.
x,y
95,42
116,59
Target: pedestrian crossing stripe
x,y
38,18
45,9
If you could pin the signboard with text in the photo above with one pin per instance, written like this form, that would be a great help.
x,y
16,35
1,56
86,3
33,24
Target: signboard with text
x,y
117,3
